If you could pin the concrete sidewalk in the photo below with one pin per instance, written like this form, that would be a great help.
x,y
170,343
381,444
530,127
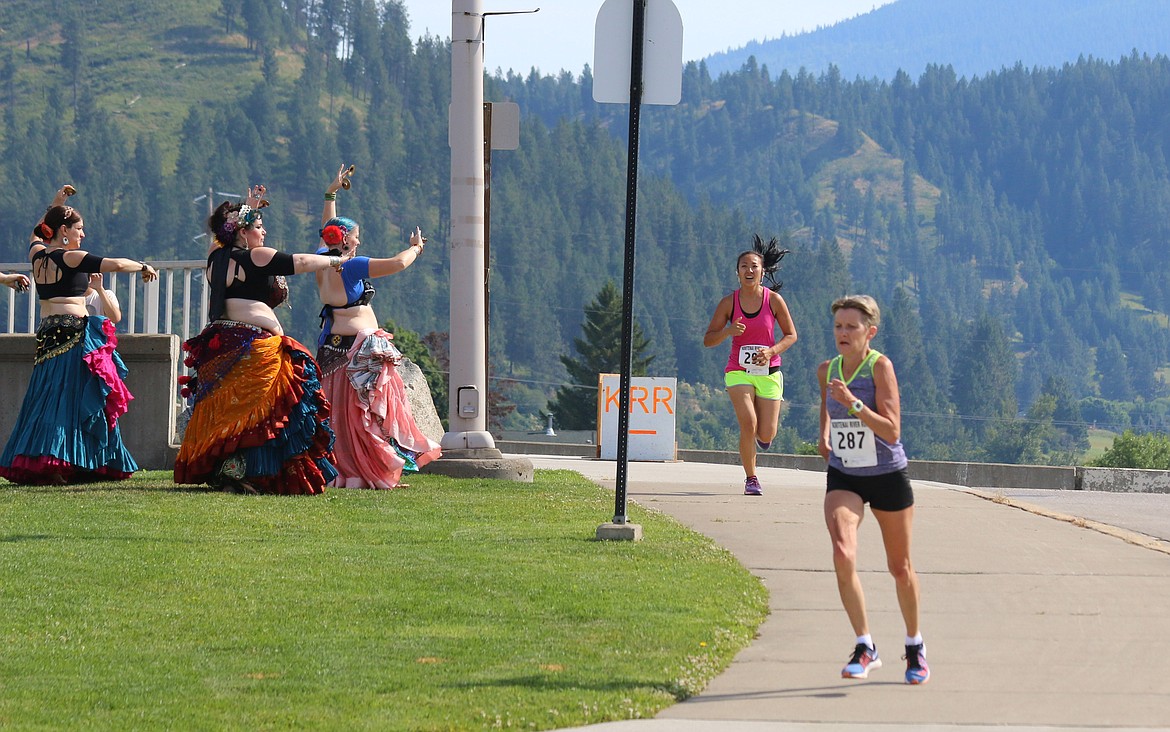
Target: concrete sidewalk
x,y
1039,619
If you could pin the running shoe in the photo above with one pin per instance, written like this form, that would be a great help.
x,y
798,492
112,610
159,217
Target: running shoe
x,y
761,446
751,487
917,672
863,659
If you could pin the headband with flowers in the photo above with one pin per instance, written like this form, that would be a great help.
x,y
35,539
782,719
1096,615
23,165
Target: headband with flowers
x,y
242,218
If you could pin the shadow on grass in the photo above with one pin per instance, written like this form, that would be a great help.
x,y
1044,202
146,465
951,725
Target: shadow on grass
x,y
812,692
135,538
110,487
551,683
206,44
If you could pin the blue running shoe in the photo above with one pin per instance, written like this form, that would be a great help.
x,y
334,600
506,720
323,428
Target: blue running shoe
x,y
863,659
917,672
751,487
761,446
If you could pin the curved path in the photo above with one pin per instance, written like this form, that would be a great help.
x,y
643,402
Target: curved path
x,y
1041,610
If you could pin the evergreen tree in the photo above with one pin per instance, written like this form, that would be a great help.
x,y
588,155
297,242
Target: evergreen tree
x,y
926,424
985,376
575,405
230,8
74,51
1020,441
1113,370
1070,433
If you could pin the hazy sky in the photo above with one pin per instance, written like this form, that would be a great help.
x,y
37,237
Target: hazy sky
x,y
560,36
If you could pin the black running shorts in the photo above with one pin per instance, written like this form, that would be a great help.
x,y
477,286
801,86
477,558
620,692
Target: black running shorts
x,y
885,492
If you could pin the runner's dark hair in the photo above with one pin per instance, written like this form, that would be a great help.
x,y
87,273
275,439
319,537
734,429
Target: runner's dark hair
x,y
770,254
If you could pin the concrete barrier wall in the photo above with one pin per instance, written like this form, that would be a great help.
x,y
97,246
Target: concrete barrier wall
x,y
1125,480
970,475
996,475
148,428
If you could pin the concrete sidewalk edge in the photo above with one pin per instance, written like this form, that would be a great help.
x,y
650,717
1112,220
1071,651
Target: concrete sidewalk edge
x,y
1132,537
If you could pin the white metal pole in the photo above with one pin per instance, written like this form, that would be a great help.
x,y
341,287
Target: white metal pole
x,y
468,344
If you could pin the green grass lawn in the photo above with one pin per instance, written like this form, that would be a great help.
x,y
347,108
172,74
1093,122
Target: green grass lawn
x,y
449,605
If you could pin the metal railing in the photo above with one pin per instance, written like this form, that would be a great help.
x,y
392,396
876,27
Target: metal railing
x,y
147,307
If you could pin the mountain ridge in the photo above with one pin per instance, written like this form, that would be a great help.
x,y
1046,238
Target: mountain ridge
x,y
975,37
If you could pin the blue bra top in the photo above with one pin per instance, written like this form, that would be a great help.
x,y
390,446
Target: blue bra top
x,y
359,290
74,280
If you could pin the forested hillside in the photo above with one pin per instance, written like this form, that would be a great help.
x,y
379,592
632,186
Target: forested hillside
x,y
974,37
1013,227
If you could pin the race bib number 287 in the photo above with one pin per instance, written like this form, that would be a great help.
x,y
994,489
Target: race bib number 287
x,y
853,442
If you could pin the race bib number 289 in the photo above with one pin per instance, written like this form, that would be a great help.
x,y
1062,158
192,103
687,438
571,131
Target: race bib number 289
x,y
853,442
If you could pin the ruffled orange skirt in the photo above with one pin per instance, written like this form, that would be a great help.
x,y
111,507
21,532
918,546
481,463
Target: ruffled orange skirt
x,y
259,420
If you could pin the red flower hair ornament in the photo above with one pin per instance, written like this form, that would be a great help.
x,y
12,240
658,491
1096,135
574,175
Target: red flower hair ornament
x,y
333,235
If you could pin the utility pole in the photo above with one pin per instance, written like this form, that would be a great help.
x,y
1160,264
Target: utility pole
x,y
468,448
467,417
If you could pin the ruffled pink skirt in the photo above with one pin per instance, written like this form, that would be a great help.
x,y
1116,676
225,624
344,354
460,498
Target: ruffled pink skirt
x,y
377,438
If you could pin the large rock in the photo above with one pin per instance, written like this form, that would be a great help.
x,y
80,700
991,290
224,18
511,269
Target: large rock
x,y
422,406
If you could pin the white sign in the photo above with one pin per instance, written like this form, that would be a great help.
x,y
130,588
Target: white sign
x,y
661,53
505,125
505,132
652,409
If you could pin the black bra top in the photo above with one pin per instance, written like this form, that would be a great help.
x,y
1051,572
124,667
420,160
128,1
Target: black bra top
x,y
74,280
261,284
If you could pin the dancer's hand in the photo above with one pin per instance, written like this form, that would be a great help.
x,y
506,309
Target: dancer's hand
x,y
255,197
417,239
62,194
339,182
16,281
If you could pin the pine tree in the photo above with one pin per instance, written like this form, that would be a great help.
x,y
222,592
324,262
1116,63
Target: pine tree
x,y
575,406
984,379
74,48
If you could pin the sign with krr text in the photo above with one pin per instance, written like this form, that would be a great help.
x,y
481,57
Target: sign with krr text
x,y
652,416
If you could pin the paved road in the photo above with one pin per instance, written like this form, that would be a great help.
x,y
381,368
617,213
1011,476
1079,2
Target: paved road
x,y
1144,513
1041,611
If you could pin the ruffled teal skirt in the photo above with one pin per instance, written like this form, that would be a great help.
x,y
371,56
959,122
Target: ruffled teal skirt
x,y
67,431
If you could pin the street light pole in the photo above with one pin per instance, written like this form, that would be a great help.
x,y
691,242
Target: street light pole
x,y
467,415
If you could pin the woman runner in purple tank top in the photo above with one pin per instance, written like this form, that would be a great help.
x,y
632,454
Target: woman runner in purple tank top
x,y
860,439
749,317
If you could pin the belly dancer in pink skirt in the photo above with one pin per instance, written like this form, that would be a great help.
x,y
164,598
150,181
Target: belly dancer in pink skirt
x,y
377,438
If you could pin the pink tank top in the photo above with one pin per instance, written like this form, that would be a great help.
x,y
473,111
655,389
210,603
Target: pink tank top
x,y
760,332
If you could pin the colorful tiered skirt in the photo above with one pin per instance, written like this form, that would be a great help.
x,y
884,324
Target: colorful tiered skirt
x,y
377,438
259,422
67,431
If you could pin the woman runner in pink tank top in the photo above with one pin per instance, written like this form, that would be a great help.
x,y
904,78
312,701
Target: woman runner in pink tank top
x,y
749,317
